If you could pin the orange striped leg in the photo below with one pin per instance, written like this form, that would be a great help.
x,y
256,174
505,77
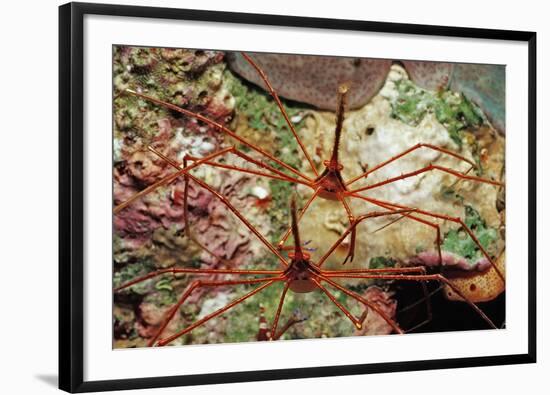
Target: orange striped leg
x,y
186,222
365,302
228,204
456,220
274,334
220,128
268,282
175,271
186,193
356,321
418,277
424,170
282,109
168,179
390,206
357,221
279,175
186,185
406,152
248,171
189,290
400,270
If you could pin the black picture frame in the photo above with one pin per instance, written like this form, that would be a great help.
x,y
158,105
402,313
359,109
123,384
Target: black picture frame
x,y
71,195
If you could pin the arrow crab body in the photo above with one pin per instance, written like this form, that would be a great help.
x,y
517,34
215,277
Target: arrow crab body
x,y
299,273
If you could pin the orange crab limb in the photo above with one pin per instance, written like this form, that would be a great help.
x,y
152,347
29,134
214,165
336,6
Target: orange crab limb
x,y
358,220
406,152
424,170
175,271
278,313
390,206
367,303
282,109
168,179
228,204
220,128
447,218
269,282
419,277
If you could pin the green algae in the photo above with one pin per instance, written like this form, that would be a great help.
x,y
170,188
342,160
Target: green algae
x,y
459,242
452,110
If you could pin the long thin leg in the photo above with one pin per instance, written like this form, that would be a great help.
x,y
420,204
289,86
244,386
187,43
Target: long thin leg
x,y
228,204
364,301
168,179
185,209
186,193
284,177
264,165
187,223
225,201
218,312
447,218
280,175
278,313
221,128
244,170
356,321
390,206
427,298
351,217
174,271
282,109
411,269
408,151
357,221
259,163
424,170
302,212
418,277
291,321
401,270
180,171
189,290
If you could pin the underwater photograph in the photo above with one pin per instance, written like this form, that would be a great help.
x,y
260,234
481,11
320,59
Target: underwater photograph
x,y
271,197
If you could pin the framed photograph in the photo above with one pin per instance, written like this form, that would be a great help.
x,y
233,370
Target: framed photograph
x,y
258,197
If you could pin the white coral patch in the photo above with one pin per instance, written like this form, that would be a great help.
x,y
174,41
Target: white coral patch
x,y
212,304
259,192
191,145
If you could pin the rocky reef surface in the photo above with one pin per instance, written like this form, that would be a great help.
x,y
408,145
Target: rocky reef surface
x,y
150,234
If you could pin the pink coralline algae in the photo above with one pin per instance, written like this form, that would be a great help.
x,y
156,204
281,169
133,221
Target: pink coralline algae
x,y
449,260
374,324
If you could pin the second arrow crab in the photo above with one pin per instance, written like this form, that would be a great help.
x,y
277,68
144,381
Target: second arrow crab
x,y
298,274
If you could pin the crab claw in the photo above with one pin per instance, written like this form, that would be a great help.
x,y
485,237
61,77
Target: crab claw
x,y
351,250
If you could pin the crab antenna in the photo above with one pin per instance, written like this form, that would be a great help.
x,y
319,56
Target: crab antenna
x,y
298,254
342,98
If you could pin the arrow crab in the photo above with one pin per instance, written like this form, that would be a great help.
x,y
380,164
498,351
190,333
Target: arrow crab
x,y
164,192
